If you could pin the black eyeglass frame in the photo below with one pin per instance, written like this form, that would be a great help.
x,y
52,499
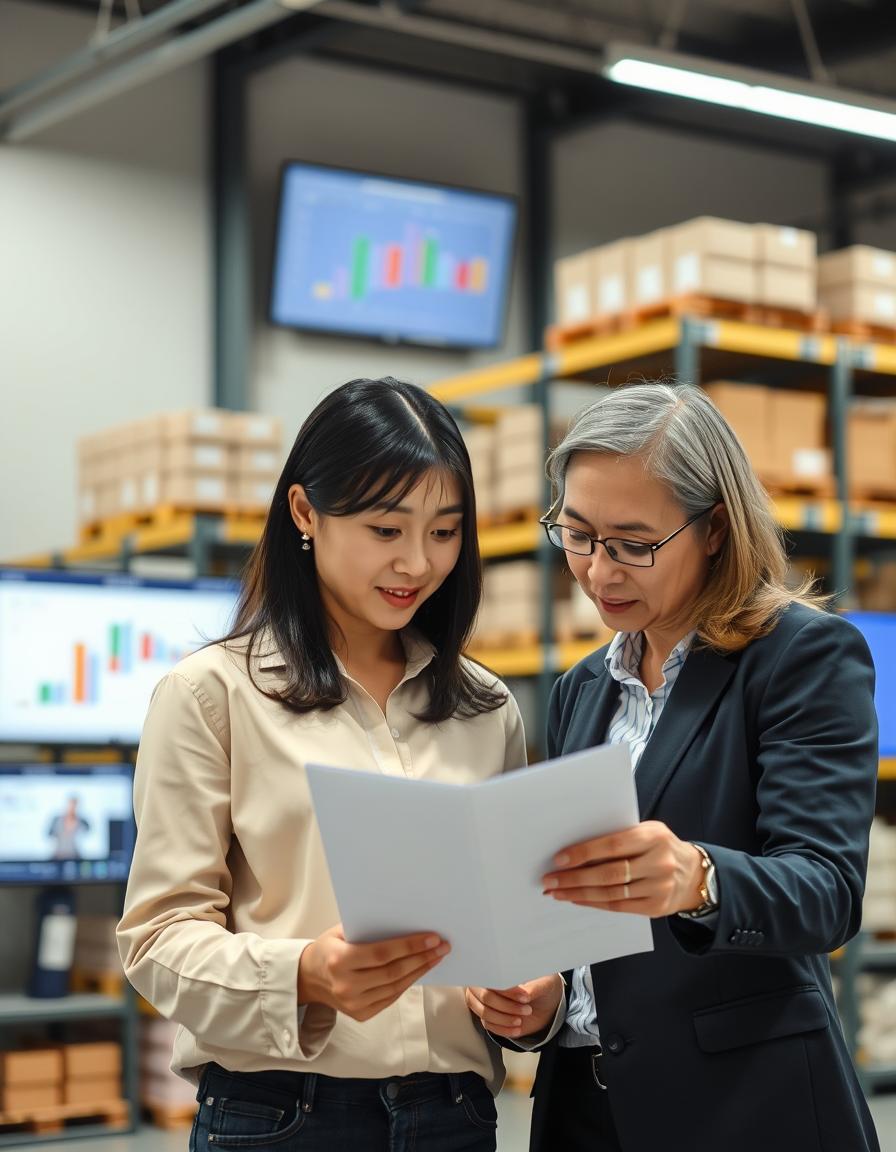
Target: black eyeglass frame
x,y
606,541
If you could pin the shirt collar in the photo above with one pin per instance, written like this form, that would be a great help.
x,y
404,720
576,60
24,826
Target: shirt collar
x,y
623,658
419,652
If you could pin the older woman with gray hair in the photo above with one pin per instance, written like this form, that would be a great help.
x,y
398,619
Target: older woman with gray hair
x,y
749,713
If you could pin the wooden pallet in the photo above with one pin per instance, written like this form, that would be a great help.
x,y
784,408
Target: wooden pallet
x,y
863,331
560,336
170,1116
105,983
117,528
58,1117
879,498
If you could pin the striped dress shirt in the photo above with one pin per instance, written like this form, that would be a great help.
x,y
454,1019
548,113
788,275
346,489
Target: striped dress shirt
x,y
633,722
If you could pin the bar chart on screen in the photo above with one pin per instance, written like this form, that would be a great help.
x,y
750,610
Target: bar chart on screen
x,y
80,659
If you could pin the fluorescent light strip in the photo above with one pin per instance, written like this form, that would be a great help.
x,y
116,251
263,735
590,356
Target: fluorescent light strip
x,y
762,98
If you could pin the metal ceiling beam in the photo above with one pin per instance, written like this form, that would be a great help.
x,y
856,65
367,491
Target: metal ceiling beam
x,y
102,52
148,66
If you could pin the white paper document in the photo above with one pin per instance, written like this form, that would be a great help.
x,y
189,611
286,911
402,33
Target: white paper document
x,y
466,861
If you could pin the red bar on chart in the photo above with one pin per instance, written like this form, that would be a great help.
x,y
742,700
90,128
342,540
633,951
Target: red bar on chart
x,y
79,695
393,266
461,275
146,646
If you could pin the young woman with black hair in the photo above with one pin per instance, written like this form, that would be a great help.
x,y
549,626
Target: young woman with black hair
x,y
346,650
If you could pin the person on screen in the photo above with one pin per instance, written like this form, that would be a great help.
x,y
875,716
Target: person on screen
x,y
749,714
346,650
65,830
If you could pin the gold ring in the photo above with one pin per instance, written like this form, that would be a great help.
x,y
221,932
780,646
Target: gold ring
x,y
628,874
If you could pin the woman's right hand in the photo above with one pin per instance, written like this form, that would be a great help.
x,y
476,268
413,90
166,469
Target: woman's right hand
x,y
524,1010
361,980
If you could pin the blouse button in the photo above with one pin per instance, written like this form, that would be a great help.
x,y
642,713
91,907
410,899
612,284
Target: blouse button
x,y
287,1036
395,733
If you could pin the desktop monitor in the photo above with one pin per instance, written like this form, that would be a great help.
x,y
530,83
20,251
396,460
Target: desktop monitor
x,y
395,260
80,655
62,824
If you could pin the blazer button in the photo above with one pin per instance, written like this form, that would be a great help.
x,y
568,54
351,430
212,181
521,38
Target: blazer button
x,y
615,1044
734,938
760,936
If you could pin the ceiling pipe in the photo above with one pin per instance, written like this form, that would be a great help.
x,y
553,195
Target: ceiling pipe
x,y
152,64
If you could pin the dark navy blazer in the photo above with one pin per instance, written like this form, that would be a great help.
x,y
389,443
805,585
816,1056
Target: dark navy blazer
x,y
726,1039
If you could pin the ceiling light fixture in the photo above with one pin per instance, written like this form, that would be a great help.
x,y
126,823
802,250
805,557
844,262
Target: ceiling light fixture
x,y
750,90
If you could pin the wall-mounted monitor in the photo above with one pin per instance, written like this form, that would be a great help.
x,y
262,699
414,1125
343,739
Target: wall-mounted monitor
x,y
879,629
65,824
80,655
396,260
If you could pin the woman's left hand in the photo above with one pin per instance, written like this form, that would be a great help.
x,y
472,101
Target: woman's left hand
x,y
645,869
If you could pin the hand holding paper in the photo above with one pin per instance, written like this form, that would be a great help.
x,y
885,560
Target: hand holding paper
x,y
467,862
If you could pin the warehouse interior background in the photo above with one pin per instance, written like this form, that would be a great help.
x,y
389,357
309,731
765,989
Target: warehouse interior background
x,y
137,229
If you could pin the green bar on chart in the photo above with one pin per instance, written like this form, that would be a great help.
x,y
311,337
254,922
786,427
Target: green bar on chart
x,y
360,266
46,693
430,262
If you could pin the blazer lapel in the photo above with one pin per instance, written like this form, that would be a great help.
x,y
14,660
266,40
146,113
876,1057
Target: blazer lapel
x,y
701,682
592,711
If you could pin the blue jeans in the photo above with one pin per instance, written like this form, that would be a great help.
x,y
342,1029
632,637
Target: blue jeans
x,y
306,1112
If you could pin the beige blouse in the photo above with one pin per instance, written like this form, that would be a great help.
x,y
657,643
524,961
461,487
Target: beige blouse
x,y
229,882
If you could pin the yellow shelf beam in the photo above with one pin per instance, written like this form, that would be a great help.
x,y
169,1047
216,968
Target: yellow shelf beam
x,y
773,343
887,770
796,514
495,378
509,539
600,351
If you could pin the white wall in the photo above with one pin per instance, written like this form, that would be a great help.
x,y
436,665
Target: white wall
x,y
354,117
105,273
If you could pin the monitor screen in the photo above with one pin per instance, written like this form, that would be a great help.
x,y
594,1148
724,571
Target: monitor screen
x,y
396,260
62,824
879,629
80,655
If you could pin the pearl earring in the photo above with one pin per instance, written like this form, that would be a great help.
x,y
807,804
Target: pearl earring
x,y
306,546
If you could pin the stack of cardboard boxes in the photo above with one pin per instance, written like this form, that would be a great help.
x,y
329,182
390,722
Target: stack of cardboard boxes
x,y
508,461
708,256
87,1075
783,432
871,449
212,459
480,442
96,964
859,284
30,1080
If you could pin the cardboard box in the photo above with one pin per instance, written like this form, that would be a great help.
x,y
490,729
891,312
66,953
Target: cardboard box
x,y
780,286
31,1066
650,262
713,257
254,429
859,264
99,1060
208,490
798,422
574,288
518,490
515,579
255,492
613,278
868,303
99,1091
252,461
871,447
205,425
791,247
182,456
28,1098
747,409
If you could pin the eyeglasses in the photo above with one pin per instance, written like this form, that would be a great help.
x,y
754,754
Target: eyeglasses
x,y
633,552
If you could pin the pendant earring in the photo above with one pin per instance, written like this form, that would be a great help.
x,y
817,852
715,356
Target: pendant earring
x,y
306,546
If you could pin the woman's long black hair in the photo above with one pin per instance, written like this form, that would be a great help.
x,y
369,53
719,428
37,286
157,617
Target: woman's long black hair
x,y
370,442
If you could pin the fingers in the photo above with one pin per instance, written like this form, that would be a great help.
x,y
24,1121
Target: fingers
x,y
384,952
613,874
399,972
499,1014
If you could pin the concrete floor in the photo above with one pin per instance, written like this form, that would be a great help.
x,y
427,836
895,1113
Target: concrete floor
x,y
513,1131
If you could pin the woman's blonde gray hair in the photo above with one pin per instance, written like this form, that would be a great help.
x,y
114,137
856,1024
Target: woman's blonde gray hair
x,y
686,444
